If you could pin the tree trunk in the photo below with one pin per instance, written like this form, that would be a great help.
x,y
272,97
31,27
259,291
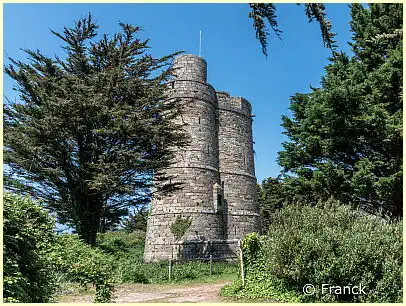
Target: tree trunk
x,y
397,210
90,218
89,228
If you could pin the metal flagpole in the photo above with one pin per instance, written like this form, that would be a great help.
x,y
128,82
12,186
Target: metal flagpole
x,y
200,44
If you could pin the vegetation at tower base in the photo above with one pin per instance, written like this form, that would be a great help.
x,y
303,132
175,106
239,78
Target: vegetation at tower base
x,y
327,244
126,263
122,254
345,138
90,130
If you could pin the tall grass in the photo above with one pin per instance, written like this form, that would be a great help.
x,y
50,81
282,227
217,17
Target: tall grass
x,y
126,259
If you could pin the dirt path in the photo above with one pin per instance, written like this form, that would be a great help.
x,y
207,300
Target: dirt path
x,y
158,293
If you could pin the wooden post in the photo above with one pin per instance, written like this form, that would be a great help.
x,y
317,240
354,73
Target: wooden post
x,y
170,268
211,264
241,263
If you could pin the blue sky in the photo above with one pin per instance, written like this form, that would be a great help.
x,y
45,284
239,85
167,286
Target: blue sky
x,y
235,61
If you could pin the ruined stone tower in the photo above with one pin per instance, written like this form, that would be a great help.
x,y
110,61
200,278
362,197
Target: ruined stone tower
x,y
217,171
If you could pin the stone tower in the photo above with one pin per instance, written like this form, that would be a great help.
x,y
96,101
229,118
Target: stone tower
x,y
219,193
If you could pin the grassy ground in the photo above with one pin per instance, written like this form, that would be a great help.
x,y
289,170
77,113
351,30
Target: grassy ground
x,y
125,251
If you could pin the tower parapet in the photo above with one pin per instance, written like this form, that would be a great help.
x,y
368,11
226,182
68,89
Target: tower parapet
x,y
235,104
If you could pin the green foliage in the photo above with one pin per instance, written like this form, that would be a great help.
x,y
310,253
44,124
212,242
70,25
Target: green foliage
x,y
271,196
34,257
91,129
136,221
257,283
111,218
83,264
345,138
326,244
122,244
36,260
180,226
263,13
28,235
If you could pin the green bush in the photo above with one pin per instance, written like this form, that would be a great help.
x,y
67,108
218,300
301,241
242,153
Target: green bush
x,y
83,264
27,236
121,243
34,257
131,271
126,251
327,244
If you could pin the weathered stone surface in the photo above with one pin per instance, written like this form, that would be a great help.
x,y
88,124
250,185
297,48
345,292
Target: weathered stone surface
x,y
216,169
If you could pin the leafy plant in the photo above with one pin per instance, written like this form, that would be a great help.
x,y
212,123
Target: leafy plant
x,y
83,264
136,221
271,196
326,244
28,235
180,226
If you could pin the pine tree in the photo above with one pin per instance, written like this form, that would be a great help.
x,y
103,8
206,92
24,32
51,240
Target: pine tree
x,y
345,138
271,196
91,129
136,221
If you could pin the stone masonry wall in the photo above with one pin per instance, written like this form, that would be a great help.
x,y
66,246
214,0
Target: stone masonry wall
x,y
216,171
236,165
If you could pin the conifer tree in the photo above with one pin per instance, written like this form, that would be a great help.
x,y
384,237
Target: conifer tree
x,y
271,197
136,221
345,138
90,130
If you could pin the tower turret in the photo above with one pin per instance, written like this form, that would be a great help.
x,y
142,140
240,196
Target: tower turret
x,y
190,67
236,165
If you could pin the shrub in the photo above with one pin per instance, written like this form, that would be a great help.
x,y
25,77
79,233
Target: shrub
x,y
28,235
34,256
120,242
327,244
84,264
131,271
